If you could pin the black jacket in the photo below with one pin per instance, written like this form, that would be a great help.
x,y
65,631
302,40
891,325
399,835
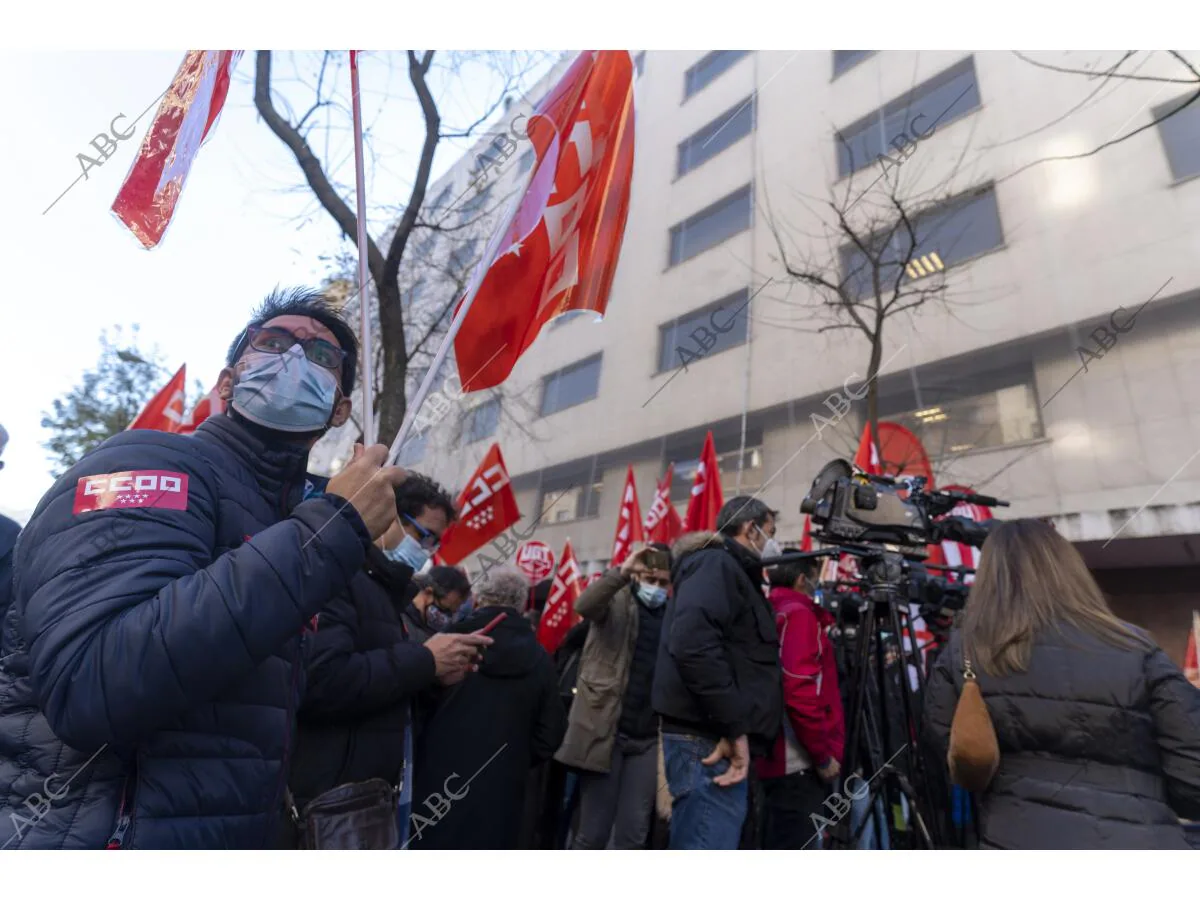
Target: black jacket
x,y
363,671
154,647
1099,745
476,751
718,661
8,542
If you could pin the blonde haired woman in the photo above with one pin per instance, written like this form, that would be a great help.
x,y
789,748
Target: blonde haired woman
x,y
1099,732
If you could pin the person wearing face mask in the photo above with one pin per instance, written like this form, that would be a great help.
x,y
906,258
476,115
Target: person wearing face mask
x,y
717,681
612,732
162,592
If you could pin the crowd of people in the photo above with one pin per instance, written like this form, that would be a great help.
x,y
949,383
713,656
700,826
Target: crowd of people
x,y
204,646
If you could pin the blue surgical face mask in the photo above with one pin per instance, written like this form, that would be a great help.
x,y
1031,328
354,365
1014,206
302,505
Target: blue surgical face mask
x,y
409,552
284,391
653,597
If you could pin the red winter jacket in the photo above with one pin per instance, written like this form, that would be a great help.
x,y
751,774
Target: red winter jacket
x,y
812,702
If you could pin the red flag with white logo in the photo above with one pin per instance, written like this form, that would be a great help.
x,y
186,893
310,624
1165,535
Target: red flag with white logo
x,y
486,507
210,405
629,521
867,457
559,615
536,560
164,412
958,554
706,500
662,523
558,244
127,490
1191,662
147,198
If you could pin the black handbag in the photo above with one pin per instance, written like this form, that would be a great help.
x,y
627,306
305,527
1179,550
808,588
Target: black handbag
x,y
359,816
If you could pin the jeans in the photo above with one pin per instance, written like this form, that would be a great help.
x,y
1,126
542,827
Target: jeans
x,y
619,802
789,804
704,816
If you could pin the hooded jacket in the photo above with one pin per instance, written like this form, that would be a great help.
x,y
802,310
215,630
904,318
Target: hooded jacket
x,y
1099,745
363,673
154,652
474,754
814,726
718,662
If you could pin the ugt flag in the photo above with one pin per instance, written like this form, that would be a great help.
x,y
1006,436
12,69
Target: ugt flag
x,y
164,412
662,521
707,499
629,521
185,116
558,245
486,507
559,614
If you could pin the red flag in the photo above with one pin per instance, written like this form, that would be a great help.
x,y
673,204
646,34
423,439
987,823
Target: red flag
x,y
629,521
210,405
558,248
164,412
806,538
1191,664
486,507
707,499
559,614
536,560
903,453
662,521
186,114
867,457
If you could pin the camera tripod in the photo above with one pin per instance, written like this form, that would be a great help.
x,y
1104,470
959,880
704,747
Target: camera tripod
x,y
884,717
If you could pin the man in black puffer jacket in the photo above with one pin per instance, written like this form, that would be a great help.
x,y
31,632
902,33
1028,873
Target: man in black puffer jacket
x,y
153,648
717,684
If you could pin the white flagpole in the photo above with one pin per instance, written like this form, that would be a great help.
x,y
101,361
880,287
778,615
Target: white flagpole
x,y
366,354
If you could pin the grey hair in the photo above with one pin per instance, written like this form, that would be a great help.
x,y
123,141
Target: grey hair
x,y
503,587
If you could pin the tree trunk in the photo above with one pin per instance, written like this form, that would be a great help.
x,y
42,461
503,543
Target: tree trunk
x,y
392,402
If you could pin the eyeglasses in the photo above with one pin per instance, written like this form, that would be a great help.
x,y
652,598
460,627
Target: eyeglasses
x,y
429,540
280,340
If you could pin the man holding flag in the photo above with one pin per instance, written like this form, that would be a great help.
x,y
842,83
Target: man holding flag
x,y
162,592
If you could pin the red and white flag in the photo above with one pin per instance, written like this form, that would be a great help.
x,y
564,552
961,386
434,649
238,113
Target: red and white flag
x,y
536,560
210,405
147,198
164,412
662,523
486,507
867,457
958,554
706,500
559,615
1191,663
558,246
629,521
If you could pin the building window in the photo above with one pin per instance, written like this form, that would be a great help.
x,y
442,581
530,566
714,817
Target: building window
x,y
722,132
481,421
727,320
954,420
707,228
413,450
959,230
572,495
464,255
525,163
571,386
1181,135
475,202
848,59
708,69
639,63
728,449
909,118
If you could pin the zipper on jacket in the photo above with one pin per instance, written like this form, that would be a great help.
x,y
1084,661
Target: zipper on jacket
x,y
116,840
281,790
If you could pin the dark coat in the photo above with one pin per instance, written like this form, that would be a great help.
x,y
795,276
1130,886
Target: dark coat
x,y
1099,745
159,649
718,662
476,752
363,672
8,543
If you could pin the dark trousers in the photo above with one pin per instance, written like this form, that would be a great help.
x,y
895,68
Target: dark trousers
x,y
789,803
616,806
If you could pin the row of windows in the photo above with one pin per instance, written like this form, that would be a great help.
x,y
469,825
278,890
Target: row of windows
x,y
949,423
